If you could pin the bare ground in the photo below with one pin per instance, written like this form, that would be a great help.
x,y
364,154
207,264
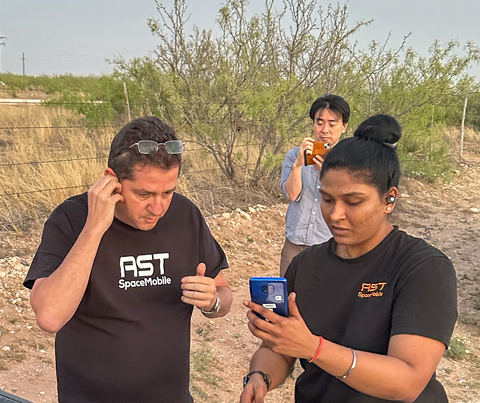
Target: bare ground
x,y
447,216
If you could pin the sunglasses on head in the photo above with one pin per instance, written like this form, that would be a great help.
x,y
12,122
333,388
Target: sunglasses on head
x,y
150,146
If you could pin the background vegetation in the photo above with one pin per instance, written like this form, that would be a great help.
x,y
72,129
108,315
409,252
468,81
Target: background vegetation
x,y
239,97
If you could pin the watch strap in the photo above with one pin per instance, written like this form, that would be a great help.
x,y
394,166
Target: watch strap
x,y
265,376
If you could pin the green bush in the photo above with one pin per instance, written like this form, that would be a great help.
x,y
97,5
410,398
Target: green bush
x,y
456,350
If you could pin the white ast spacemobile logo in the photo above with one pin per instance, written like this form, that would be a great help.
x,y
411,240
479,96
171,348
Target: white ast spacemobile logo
x,y
143,270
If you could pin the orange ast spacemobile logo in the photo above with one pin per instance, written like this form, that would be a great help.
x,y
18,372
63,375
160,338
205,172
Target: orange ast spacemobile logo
x,y
372,290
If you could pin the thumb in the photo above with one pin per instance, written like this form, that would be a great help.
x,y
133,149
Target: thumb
x,y
292,305
201,268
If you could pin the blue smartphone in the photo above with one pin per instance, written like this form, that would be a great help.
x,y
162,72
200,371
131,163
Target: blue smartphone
x,y
271,293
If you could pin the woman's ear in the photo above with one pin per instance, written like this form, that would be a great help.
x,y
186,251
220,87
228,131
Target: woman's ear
x,y
109,171
390,199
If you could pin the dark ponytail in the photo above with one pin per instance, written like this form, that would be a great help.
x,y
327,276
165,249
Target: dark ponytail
x,y
370,154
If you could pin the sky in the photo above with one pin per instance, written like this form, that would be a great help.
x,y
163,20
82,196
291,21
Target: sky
x,y
79,36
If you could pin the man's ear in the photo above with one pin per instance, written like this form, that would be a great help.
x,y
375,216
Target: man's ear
x,y
109,171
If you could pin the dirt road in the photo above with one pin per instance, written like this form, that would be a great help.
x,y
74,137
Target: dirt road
x,y
446,216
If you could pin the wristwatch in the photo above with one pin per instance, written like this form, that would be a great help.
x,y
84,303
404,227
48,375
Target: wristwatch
x,y
265,376
215,308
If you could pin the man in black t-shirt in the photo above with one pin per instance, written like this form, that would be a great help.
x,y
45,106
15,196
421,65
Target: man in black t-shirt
x,y
118,272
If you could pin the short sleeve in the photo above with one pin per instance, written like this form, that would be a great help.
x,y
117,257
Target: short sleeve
x,y
58,238
426,301
211,252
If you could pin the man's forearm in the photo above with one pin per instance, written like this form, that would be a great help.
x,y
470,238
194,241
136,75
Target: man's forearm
x,y
56,298
293,184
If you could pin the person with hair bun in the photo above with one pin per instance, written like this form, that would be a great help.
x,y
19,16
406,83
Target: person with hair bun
x,y
373,309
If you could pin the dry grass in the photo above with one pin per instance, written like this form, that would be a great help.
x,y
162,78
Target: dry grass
x,y
38,133
471,143
31,135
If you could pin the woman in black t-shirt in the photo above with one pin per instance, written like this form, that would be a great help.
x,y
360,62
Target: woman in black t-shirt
x,y
371,310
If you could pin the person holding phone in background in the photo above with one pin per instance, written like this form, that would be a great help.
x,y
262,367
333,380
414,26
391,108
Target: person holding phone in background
x,y
373,309
118,272
304,225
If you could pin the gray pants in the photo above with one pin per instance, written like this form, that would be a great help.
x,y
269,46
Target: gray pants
x,y
289,251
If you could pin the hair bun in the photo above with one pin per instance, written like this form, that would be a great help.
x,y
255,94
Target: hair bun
x,y
382,128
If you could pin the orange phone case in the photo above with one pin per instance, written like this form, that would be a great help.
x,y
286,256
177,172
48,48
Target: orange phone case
x,y
319,148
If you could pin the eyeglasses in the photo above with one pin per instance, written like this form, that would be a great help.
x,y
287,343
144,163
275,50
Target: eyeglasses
x,y
150,146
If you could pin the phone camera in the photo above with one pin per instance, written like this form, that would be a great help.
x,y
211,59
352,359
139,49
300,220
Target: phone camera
x,y
268,288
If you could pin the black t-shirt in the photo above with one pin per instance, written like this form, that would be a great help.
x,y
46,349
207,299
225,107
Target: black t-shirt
x,y
129,340
402,286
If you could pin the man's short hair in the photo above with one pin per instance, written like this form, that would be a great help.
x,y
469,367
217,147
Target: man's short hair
x,y
335,103
123,158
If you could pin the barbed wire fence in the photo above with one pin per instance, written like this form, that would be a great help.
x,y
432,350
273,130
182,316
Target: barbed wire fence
x,y
207,186
207,192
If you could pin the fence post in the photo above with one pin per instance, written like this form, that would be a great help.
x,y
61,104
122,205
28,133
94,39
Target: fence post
x,y
463,128
126,100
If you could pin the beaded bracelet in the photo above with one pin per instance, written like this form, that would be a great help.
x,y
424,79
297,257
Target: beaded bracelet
x,y
354,362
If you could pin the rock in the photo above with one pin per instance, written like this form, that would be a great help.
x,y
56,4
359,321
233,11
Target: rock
x,y
226,215
474,210
2,274
252,210
6,348
245,215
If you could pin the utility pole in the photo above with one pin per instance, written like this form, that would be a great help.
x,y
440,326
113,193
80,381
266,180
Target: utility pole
x,y
1,44
23,60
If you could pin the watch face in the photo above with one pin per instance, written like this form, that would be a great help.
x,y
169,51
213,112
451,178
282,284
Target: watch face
x,y
266,378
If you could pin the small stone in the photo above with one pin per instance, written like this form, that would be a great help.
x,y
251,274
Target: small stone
x,y
252,210
2,274
226,215
245,215
475,210
6,348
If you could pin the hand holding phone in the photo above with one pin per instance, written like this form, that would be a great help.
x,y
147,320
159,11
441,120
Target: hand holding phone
x,y
271,293
319,148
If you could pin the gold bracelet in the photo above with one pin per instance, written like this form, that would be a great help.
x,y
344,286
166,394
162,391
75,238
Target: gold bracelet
x,y
354,362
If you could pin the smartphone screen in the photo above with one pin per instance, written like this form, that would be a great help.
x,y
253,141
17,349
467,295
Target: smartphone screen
x,y
271,293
